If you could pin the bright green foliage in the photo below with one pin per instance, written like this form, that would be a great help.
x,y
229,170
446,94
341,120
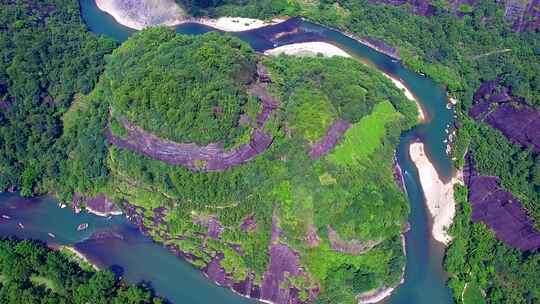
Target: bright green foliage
x,y
312,114
364,137
33,273
460,53
183,88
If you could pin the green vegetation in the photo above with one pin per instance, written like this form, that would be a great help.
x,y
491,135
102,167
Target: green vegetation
x,y
33,273
47,56
364,137
50,64
358,197
487,266
461,53
188,89
472,294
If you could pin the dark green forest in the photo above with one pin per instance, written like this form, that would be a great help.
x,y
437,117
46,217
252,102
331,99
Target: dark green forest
x,y
493,271
32,273
47,57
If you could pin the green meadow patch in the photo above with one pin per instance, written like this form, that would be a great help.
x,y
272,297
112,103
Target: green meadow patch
x,y
364,137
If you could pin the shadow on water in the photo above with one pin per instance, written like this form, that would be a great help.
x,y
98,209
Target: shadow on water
x,y
138,258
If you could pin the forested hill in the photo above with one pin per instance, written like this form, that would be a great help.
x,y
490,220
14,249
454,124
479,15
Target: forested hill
x,y
284,225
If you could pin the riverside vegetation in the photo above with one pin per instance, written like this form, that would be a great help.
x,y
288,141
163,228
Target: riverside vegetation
x,y
196,89
32,273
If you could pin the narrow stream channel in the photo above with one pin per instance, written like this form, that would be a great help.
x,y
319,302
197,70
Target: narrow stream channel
x,y
137,258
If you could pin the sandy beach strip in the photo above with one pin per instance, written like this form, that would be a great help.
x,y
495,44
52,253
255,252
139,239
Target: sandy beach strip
x,y
102,214
236,24
439,196
79,255
308,49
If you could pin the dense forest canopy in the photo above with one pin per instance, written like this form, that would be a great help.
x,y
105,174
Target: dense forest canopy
x,y
32,273
50,63
47,56
184,88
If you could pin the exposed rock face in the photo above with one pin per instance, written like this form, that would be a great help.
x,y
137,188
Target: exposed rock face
x,y
99,204
398,176
381,46
525,15
500,210
354,247
212,224
249,224
139,14
330,139
519,122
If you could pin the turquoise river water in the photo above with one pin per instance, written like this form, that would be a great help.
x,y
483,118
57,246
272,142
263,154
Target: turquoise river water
x,y
137,258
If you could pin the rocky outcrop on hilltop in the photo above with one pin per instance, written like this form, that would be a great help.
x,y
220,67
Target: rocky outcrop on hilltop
x,y
501,211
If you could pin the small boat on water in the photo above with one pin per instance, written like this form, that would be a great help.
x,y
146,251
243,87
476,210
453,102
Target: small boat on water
x,y
21,225
7,217
82,226
51,234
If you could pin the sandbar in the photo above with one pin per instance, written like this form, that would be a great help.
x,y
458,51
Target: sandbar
x,y
308,49
439,195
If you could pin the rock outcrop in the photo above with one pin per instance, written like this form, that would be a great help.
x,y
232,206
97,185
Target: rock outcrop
x,y
499,210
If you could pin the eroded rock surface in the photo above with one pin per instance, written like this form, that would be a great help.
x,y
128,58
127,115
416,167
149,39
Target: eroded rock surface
x,y
519,122
207,158
330,139
354,247
500,210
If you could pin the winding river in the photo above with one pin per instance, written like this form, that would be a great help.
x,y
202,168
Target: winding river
x,y
137,258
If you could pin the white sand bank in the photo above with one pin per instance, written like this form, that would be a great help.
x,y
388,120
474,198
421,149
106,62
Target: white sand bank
x,y
308,49
79,255
439,195
236,24
139,14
